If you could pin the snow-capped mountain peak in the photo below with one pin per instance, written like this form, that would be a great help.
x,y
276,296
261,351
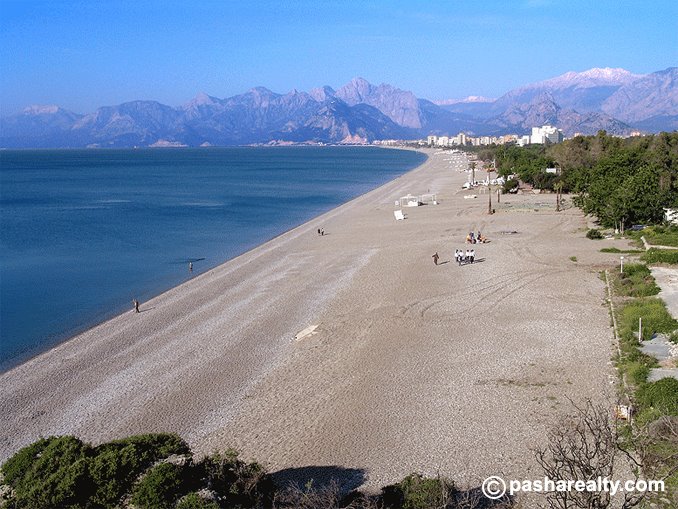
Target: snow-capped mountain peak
x,y
596,77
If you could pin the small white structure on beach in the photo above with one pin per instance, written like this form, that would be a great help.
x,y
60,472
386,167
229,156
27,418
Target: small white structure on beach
x,y
399,215
409,201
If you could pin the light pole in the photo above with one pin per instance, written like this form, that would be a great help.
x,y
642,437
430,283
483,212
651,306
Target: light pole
x,y
621,264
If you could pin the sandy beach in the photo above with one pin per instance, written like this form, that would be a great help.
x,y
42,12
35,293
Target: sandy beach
x,y
412,366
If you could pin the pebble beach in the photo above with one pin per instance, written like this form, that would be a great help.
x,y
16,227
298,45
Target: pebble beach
x,y
351,351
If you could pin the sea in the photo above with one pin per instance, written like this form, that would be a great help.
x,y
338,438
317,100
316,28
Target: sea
x,y
84,232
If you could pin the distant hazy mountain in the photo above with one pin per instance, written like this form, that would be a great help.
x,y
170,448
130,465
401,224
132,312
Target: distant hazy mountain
x,y
359,112
39,127
543,110
400,106
649,96
581,91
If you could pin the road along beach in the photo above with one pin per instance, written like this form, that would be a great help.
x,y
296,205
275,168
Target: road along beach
x,y
351,349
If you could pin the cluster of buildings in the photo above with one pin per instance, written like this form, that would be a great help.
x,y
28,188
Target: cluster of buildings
x,y
540,135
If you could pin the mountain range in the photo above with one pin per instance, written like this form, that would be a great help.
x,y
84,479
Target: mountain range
x,y
359,112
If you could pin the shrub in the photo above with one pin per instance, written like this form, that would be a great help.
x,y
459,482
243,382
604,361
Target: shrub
x,y
113,472
63,471
242,484
593,234
661,395
419,492
52,472
509,185
159,488
194,501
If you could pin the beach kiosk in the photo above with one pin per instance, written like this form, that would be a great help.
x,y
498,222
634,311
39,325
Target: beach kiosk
x,y
409,201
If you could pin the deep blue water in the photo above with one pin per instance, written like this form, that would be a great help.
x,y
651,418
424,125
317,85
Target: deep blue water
x,y
83,232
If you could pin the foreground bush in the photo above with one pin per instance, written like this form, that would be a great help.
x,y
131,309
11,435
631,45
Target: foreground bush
x,y
51,472
418,492
157,472
239,483
65,472
160,488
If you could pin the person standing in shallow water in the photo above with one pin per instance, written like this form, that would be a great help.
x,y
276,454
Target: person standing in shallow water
x,y
190,266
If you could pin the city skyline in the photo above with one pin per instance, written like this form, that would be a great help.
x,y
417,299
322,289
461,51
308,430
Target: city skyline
x,y
82,55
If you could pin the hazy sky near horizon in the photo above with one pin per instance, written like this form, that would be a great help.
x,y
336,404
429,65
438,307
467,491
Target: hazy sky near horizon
x,y
83,54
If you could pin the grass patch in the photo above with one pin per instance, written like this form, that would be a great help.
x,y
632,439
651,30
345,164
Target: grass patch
x,y
667,256
655,317
636,281
573,258
633,363
661,235
621,251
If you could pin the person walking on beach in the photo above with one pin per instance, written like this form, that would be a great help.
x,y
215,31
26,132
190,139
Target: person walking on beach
x,y
473,255
322,232
318,231
435,258
136,305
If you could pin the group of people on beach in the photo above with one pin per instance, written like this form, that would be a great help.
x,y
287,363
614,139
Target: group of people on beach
x,y
321,232
475,239
462,257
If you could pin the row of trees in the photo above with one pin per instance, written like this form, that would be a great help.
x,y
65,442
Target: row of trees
x,y
620,181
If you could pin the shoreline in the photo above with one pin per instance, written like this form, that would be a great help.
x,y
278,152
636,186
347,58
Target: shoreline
x,y
105,314
412,367
256,251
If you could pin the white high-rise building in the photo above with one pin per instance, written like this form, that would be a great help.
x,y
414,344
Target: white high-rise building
x,y
546,134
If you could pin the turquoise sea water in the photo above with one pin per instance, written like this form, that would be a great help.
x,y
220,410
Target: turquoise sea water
x,y
83,232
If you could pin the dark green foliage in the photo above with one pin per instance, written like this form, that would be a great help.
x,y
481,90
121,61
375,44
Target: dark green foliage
x,y
242,484
528,162
50,473
193,501
594,234
636,281
661,256
118,463
509,185
661,396
63,471
159,488
418,492
622,181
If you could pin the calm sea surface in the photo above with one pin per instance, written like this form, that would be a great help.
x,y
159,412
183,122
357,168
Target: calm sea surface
x,y
83,232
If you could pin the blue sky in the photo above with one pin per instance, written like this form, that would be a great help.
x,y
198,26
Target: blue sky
x,y
85,54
